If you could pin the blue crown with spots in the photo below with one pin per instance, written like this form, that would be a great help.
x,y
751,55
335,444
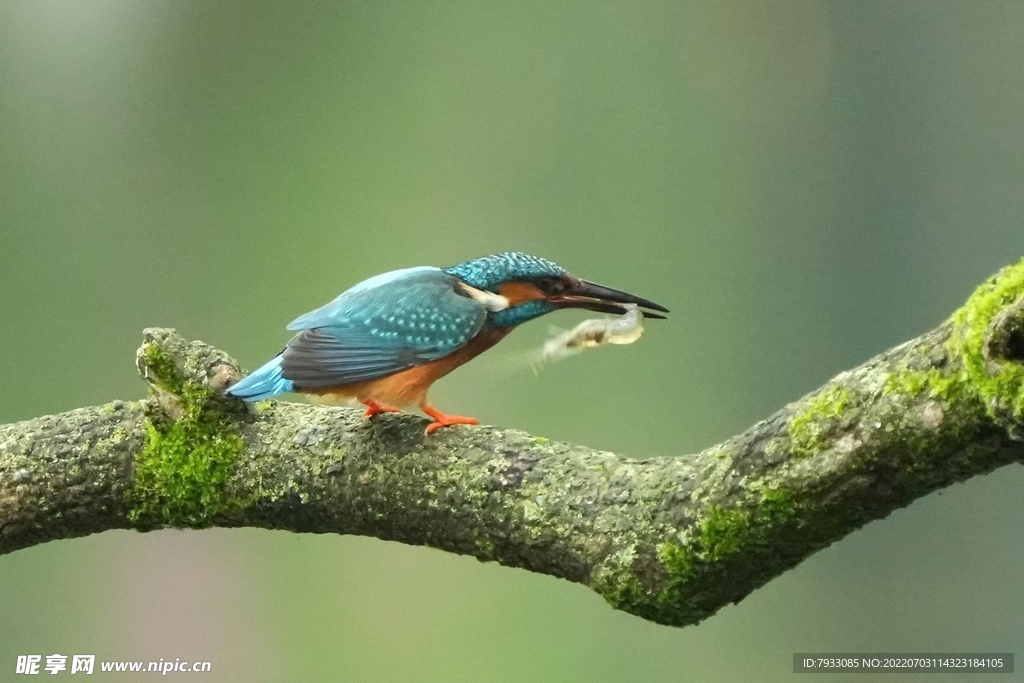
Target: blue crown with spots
x,y
488,272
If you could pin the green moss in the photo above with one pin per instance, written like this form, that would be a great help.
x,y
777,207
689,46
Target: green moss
x,y
163,370
181,473
689,570
723,532
777,504
999,383
625,592
914,382
807,428
677,561
679,564
904,381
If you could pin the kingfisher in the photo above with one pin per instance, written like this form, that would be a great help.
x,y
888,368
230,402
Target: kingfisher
x,y
387,339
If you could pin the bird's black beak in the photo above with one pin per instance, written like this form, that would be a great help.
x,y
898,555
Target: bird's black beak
x,y
595,297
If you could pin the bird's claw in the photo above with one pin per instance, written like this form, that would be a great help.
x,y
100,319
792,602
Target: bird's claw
x,y
375,408
443,420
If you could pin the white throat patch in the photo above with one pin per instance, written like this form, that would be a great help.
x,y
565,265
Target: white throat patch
x,y
489,300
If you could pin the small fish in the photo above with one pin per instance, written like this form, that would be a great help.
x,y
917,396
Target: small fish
x,y
590,333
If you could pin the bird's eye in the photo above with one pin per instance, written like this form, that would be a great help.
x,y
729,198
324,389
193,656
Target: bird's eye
x,y
551,286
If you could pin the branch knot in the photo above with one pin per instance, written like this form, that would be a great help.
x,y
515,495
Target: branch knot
x,y
182,372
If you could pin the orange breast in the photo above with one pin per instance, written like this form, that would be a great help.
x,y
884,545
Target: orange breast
x,y
409,387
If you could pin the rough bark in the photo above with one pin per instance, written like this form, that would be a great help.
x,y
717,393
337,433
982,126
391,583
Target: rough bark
x,y
670,539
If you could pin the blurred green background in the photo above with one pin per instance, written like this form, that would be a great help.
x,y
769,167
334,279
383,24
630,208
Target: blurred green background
x,y
804,183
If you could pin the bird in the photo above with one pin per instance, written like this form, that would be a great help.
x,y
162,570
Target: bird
x,y
384,341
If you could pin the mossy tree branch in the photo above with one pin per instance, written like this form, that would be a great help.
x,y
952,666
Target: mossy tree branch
x,y
671,539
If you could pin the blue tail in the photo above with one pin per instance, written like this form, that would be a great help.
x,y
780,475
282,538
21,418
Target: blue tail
x,y
263,383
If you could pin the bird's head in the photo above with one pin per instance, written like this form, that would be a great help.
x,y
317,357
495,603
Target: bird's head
x,y
518,287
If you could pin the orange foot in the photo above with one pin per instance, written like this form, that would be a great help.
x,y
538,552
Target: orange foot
x,y
374,408
442,420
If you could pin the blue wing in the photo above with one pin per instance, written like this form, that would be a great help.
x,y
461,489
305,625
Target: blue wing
x,y
384,325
